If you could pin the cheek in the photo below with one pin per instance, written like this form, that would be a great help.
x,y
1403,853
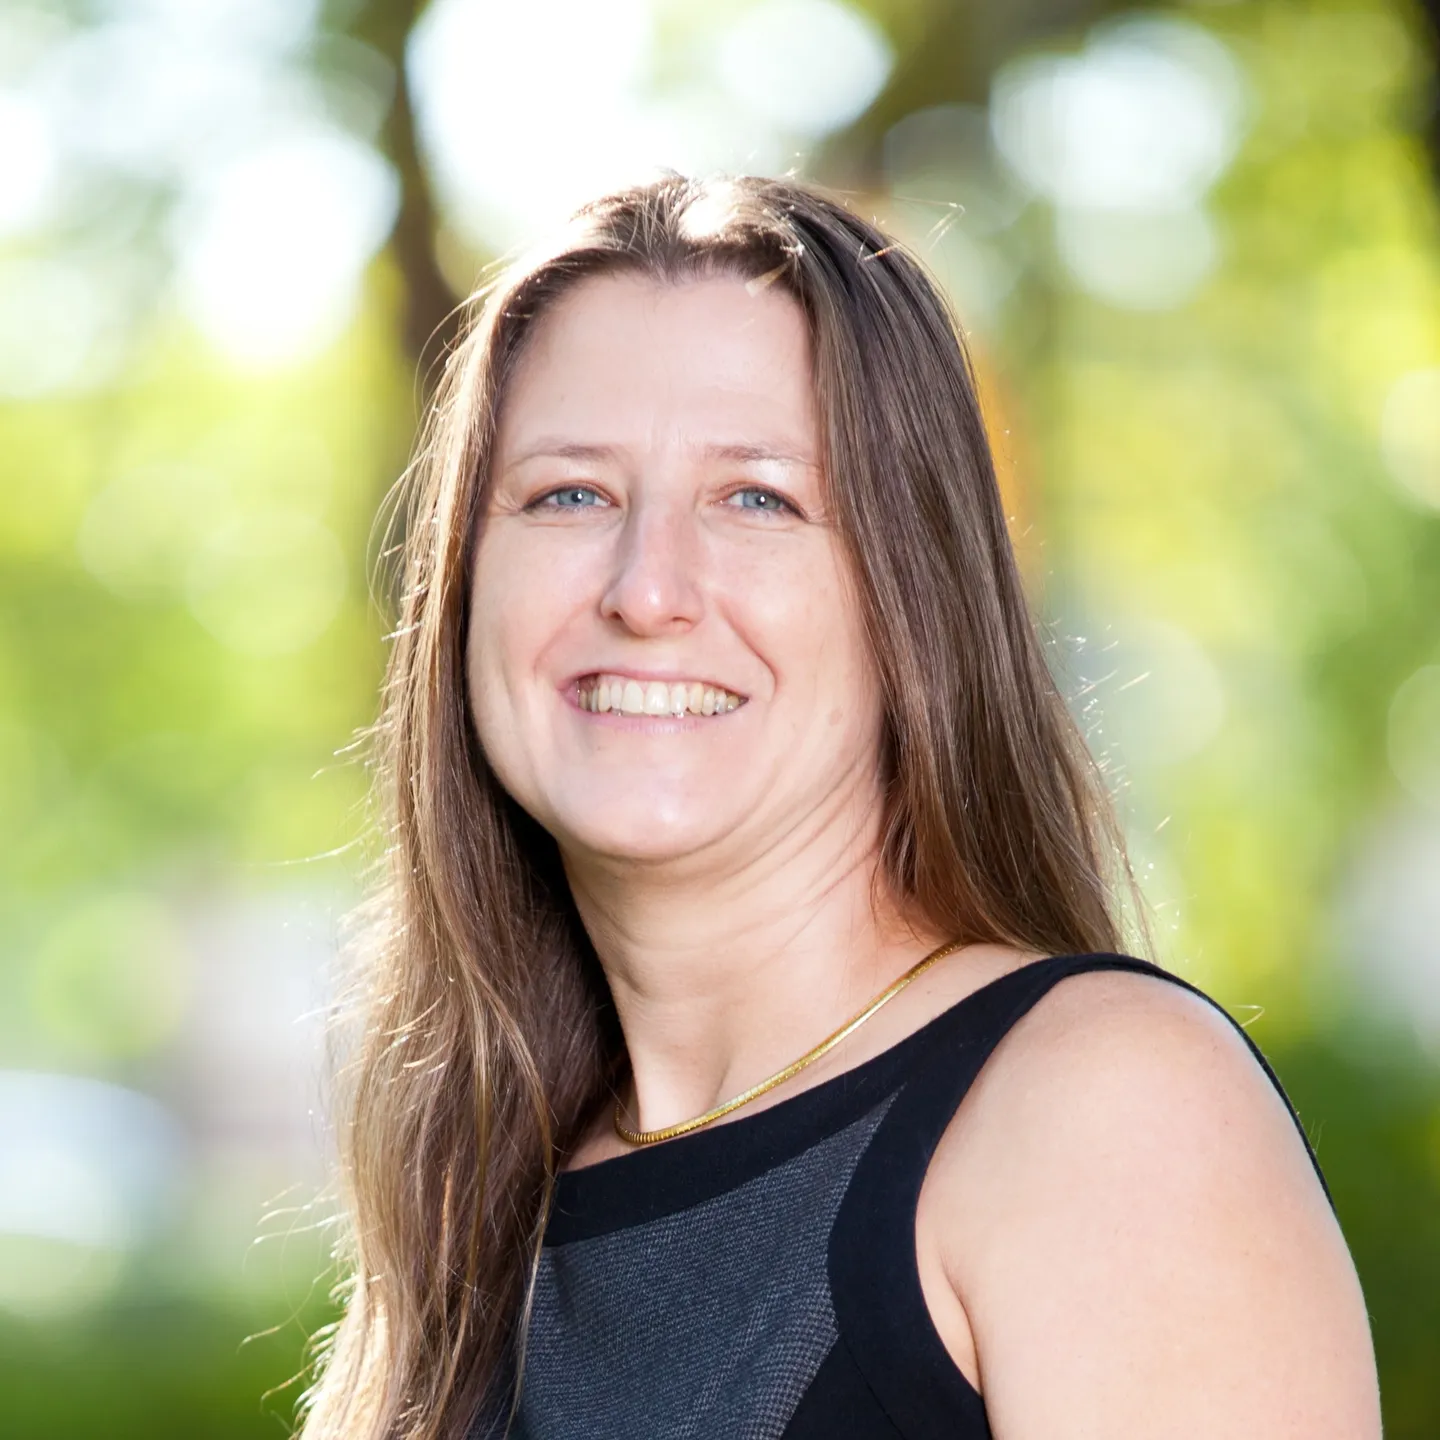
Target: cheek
x,y
520,596
804,618
509,627
846,719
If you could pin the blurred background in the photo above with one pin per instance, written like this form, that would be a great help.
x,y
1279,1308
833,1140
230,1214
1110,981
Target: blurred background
x,y
1196,251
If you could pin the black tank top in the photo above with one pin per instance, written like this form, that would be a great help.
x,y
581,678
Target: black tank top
x,y
758,1280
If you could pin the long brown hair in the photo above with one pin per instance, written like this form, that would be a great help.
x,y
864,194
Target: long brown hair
x,y
488,1038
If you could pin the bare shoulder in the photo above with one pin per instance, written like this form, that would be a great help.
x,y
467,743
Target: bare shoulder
x,y
1142,1066
1127,1216
1166,1055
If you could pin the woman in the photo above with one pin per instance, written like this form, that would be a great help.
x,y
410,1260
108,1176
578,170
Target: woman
x,y
719,1079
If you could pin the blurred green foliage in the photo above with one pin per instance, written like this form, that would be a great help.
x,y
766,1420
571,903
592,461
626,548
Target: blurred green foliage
x,y
1241,573
1375,1118
1218,468
136,1371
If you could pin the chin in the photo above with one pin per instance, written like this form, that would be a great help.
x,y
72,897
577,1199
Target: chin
x,y
631,829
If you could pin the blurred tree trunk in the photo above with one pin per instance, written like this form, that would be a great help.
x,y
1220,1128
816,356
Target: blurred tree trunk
x,y
1431,11
431,318
947,52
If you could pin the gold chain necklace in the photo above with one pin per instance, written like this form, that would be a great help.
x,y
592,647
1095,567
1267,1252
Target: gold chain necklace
x,y
654,1137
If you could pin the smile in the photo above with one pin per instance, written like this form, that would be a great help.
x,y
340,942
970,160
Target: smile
x,y
625,696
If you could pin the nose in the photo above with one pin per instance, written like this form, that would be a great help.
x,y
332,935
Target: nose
x,y
654,588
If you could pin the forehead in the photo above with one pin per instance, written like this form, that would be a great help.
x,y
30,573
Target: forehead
x,y
627,359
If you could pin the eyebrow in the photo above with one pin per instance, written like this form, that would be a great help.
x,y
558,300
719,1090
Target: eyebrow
x,y
741,453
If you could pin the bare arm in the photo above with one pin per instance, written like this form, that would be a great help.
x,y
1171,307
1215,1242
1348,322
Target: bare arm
x,y
1121,1230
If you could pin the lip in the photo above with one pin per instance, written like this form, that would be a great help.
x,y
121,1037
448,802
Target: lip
x,y
570,685
570,691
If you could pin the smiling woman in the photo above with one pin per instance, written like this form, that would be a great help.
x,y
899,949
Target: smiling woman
x,y
717,1075
656,530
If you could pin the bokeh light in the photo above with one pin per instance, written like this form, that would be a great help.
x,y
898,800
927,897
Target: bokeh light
x,y
734,88
1196,251
274,243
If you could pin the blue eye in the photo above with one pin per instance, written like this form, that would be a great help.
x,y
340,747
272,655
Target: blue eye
x,y
572,497
766,501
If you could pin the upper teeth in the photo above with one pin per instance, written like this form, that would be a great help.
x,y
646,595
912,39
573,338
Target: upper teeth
x,y
655,697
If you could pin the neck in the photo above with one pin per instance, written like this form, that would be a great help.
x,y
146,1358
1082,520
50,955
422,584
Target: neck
x,y
721,977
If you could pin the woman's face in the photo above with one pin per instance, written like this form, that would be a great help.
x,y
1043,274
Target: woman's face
x,y
665,657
